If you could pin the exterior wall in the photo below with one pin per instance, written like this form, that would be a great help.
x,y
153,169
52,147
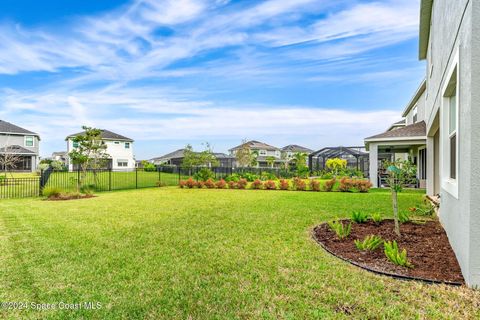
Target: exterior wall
x,y
16,139
420,111
116,152
451,34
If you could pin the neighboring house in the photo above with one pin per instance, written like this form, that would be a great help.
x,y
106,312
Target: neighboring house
x,y
289,151
19,142
61,156
176,157
450,43
263,151
119,149
405,140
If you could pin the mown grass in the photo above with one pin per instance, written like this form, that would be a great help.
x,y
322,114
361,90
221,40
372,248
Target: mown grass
x,y
170,253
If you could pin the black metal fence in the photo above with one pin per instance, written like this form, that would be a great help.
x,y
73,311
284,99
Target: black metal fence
x,y
109,180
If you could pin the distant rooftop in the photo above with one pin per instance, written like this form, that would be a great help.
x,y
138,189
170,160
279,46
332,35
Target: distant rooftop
x,y
418,129
106,134
254,144
296,148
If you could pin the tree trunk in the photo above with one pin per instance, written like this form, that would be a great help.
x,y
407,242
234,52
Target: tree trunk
x,y
395,212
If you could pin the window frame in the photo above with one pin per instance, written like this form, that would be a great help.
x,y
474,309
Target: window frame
x,y
125,161
415,114
25,142
450,184
127,144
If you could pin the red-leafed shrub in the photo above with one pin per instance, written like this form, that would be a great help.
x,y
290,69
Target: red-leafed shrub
x,y
190,183
299,184
362,186
221,184
200,184
328,186
257,184
242,183
182,184
284,184
210,184
346,185
270,185
232,185
314,185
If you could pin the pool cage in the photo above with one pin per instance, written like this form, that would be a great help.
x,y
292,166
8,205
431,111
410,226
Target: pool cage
x,y
356,157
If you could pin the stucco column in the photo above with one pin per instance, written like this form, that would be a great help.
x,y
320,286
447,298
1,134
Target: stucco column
x,y
430,166
373,163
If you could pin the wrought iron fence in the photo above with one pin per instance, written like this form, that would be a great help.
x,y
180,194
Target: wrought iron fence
x,y
19,187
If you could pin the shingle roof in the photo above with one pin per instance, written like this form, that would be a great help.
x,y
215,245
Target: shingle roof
x,y
418,129
254,144
7,127
16,149
106,134
296,148
180,154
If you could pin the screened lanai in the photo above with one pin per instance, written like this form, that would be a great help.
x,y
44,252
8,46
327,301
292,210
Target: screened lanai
x,y
356,158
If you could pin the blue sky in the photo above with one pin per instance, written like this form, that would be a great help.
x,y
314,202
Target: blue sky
x,y
171,72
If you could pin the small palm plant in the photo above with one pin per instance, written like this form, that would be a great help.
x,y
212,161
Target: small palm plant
x,y
393,253
342,231
370,243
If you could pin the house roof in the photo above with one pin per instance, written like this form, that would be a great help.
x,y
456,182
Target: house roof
x,y
296,148
418,129
177,154
7,127
106,134
16,149
425,20
413,102
59,153
254,144
397,125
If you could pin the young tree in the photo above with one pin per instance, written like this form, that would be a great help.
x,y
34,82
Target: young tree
x,y
9,158
90,153
300,160
205,158
400,173
270,161
254,159
336,164
243,155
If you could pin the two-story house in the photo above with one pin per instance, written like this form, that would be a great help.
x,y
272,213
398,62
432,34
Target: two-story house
x,y
119,149
405,140
22,144
265,153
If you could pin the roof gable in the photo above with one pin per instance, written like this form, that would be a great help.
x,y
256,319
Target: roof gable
x,y
7,127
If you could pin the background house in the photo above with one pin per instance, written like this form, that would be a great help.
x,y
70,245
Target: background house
x,y
22,143
119,148
263,151
176,157
61,156
289,151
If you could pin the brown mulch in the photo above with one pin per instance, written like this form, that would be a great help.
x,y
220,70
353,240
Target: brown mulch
x,y
70,197
427,248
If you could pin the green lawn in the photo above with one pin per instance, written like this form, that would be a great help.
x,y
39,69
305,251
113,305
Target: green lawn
x,y
168,253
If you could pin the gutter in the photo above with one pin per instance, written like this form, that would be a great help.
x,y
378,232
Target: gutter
x,y
425,21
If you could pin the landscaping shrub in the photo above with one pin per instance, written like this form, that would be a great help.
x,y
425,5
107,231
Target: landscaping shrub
x,y
362,186
232,185
242,183
250,176
328,186
210,184
394,255
200,184
190,183
284,184
340,229
182,184
88,189
204,174
257,184
314,185
377,217
221,184
299,184
148,166
267,176
346,185
233,177
359,217
51,192
370,243
270,185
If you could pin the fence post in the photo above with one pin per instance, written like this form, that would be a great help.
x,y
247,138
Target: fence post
x,y
110,179
41,183
159,175
78,178
136,178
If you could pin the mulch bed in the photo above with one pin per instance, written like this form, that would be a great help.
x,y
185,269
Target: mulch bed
x,y
70,197
427,247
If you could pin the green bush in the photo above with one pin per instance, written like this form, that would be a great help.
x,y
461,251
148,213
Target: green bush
x,y
377,217
148,166
250,177
370,243
204,174
340,229
267,176
235,177
359,217
51,192
394,255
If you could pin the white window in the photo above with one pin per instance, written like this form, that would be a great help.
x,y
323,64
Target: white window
x,y
127,145
122,163
263,152
277,153
415,114
117,142
450,136
29,141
